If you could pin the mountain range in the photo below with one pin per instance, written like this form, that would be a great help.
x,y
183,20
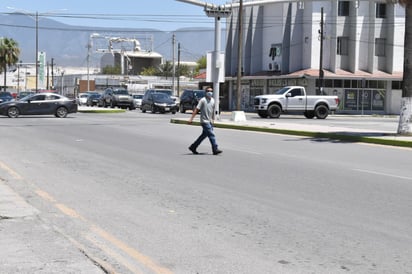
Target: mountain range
x,y
67,44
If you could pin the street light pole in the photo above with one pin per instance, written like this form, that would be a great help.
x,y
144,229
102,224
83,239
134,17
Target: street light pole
x,y
61,92
37,51
239,57
18,77
89,47
88,63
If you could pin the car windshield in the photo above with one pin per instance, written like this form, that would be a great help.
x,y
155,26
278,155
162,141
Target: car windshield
x,y
282,90
138,96
120,92
160,96
166,91
5,95
25,98
199,94
24,93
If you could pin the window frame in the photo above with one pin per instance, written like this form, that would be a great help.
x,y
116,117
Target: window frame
x,y
343,8
380,47
342,45
380,10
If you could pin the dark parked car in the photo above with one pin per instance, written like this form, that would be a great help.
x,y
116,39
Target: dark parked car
x,y
23,94
117,97
190,98
158,90
158,102
5,96
93,99
39,104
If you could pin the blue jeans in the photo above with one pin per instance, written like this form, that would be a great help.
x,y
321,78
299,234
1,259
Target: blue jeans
x,y
207,132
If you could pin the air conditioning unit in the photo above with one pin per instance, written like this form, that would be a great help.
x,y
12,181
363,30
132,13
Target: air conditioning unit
x,y
276,67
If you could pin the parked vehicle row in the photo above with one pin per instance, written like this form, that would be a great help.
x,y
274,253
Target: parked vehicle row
x,y
154,100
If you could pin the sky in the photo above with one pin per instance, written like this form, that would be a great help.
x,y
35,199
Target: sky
x,y
166,15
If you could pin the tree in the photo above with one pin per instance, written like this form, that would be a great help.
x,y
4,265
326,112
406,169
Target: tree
x,y
149,71
405,117
201,64
9,55
183,70
166,69
111,70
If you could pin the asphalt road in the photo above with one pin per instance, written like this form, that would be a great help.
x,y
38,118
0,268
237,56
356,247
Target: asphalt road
x,y
125,186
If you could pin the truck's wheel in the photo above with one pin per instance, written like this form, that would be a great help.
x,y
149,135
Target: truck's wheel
x,y
182,109
274,111
321,112
309,114
262,114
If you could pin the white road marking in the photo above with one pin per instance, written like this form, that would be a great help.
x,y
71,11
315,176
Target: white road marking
x,y
384,174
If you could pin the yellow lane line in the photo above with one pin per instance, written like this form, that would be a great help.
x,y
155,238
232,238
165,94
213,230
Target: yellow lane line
x,y
114,255
144,260
13,173
131,251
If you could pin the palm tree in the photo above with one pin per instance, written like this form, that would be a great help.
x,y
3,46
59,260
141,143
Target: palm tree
x,y
166,69
405,117
9,55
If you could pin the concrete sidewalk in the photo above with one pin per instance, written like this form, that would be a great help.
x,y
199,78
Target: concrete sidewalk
x,y
30,245
367,129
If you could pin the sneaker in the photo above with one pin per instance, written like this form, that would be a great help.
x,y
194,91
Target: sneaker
x,y
193,150
217,151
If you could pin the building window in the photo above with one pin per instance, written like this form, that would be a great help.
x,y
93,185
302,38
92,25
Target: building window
x,y
342,45
396,84
380,47
343,8
337,83
380,10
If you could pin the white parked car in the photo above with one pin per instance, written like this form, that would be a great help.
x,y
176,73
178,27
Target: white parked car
x,y
82,98
137,98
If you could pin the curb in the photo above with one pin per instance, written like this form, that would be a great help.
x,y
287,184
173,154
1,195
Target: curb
x,y
328,135
101,110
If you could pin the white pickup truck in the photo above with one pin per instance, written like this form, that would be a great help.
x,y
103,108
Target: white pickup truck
x,y
293,99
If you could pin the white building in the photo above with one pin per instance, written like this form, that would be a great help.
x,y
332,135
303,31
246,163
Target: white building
x,y
362,56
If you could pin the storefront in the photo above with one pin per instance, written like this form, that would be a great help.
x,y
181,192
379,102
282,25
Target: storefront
x,y
357,96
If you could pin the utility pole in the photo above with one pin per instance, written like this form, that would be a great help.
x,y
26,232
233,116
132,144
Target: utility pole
x,y
88,63
47,76
239,57
321,74
18,77
37,51
52,73
178,69
174,67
